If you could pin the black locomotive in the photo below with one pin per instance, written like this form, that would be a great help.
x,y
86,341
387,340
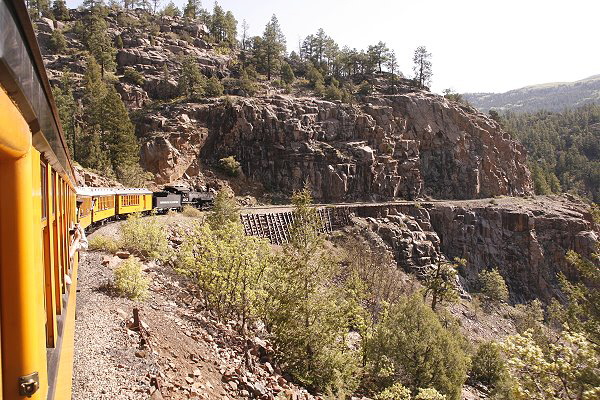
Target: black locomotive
x,y
175,197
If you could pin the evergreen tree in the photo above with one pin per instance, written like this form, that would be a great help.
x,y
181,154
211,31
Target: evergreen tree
x,y
192,82
98,42
217,24
57,42
119,133
67,109
171,10
38,8
379,55
306,313
440,282
410,342
214,88
245,28
60,10
287,74
392,66
271,48
192,9
422,66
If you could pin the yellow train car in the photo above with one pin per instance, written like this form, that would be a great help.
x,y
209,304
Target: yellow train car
x,y
38,277
133,200
103,204
84,206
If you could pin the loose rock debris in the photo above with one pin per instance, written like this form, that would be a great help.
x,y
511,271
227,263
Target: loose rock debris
x,y
167,347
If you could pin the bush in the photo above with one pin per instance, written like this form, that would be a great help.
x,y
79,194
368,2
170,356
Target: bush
x,y
365,88
130,280
287,74
192,212
133,76
146,238
487,366
103,243
333,93
214,88
57,43
429,394
395,392
230,166
411,342
493,286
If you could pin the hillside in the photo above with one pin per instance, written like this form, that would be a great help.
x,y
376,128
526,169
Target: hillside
x,y
549,97
348,133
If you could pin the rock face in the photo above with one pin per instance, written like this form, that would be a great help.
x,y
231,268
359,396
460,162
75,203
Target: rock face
x,y
408,145
526,242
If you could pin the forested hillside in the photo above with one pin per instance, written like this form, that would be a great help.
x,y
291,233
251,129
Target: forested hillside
x,y
550,97
563,147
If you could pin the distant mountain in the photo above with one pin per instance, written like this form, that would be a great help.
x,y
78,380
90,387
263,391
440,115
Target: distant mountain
x,y
548,96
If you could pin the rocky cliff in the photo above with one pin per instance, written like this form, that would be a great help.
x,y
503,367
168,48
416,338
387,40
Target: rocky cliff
x,y
525,238
407,145
410,144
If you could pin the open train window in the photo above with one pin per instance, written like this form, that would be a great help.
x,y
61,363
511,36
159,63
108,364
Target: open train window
x,y
44,183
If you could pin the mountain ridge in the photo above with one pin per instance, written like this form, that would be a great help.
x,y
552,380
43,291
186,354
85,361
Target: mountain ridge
x,y
551,96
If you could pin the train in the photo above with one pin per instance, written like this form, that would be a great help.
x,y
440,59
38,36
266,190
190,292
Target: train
x,y
40,207
97,205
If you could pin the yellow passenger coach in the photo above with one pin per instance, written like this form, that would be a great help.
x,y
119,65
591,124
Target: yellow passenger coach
x,y
37,211
133,200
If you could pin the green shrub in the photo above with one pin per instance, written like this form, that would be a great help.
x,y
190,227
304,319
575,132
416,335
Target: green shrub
x,y
103,243
57,43
487,366
411,342
429,394
287,74
214,88
395,392
134,76
365,88
230,166
333,93
130,280
145,237
493,286
192,212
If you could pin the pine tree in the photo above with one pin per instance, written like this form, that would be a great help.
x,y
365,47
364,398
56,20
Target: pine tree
x,y
214,88
379,55
192,82
171,10
192,9
67,109
440,282
60,10
271,47
57,42
306,313
287,74
119,133
99,42
392,66
422,66
410,342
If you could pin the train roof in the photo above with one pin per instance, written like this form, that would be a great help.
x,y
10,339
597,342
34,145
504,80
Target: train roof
x,y
23,76
94,191
132,191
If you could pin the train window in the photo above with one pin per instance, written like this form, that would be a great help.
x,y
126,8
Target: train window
x,y
44,182
53,192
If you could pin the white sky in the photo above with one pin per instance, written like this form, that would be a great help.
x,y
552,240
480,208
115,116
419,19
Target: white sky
x,y
476,45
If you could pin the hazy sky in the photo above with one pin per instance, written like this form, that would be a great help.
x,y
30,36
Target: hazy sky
x,y
476,45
